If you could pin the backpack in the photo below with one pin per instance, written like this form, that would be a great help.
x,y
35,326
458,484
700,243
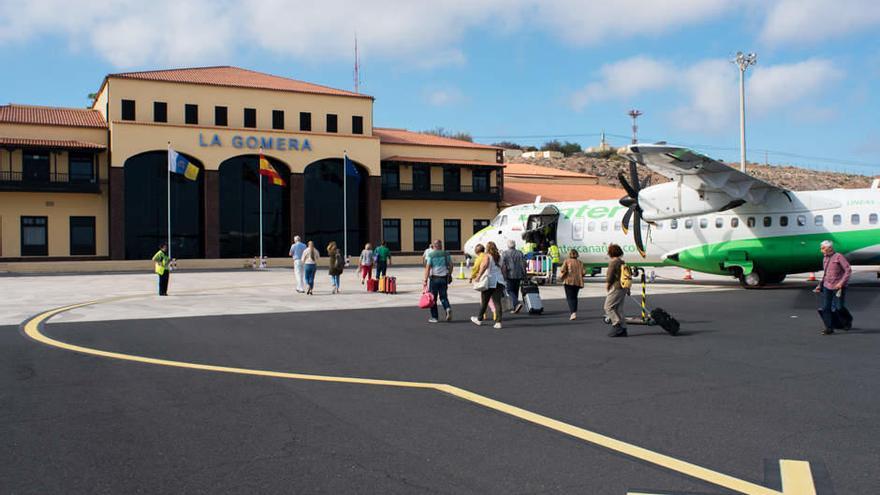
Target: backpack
x,y
626,276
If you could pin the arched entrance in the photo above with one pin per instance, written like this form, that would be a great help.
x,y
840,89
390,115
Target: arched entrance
x,y
323,205
146,208
240,209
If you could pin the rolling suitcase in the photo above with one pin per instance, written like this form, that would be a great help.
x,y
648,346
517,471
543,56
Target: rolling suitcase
x,y
841,319
531,297
391,285
382,281
372,285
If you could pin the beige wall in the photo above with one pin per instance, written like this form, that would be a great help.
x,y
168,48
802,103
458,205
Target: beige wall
x,y
130,138
448,152
88,134
58,207
176,95
437,211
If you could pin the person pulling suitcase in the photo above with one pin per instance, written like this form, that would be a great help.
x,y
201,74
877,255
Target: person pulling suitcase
x,y
836,272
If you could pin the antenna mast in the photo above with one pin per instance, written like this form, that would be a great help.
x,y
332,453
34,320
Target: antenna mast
x,y
357,67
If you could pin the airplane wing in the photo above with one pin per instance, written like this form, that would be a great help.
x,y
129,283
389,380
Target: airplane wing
x,y
700,172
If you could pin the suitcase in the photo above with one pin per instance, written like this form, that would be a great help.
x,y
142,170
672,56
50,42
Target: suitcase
x,y
391,285
665,320
372,285
841,319
382,284
531,297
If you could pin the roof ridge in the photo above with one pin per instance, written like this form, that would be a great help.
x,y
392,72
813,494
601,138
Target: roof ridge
x,y
49,107
152,71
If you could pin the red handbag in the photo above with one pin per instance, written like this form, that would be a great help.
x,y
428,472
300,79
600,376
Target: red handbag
x,y
427,299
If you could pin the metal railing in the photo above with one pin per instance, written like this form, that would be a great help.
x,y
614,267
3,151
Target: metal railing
x,y
54,181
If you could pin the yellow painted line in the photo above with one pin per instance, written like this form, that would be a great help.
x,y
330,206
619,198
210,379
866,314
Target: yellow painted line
x,y
796,476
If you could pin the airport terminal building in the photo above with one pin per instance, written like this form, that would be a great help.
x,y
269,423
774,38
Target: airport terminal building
x,y
92,183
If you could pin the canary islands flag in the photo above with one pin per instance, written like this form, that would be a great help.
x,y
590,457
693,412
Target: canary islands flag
x,y
269,171
178,164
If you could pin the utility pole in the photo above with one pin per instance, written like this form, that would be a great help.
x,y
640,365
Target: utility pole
x,y
743,61
635,115
357,67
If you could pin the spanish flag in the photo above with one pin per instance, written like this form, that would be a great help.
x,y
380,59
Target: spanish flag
x,y
269,171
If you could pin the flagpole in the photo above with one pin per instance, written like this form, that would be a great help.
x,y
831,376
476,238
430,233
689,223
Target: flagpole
x,y
260,178
345,204
168,194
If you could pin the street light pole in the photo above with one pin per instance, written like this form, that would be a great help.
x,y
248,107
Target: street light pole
x,y
743,61
635,127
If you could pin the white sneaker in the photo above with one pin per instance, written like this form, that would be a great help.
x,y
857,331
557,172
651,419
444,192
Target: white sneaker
x,y
497,325
449,314
432,320
573,316
476,321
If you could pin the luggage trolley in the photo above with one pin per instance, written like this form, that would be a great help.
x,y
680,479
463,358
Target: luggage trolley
x,y
540,269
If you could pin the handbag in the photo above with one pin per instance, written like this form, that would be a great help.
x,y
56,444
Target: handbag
x,y
427,299
506,302
482,283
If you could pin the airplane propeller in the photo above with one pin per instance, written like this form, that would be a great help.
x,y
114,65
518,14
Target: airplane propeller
x,y
631,202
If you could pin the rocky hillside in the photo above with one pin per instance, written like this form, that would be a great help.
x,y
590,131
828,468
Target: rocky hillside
x,y
792,178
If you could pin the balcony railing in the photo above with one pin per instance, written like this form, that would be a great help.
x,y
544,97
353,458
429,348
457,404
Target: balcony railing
x,y
440,192
53,181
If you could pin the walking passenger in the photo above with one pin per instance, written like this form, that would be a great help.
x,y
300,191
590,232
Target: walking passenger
x,y
438,275
480,252
832,289
336,265
162,268
310,266
383,259
366,263
494,285
572,275
513,267
296,252
616,294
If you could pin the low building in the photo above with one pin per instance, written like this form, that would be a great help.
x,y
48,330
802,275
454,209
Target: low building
x,y
524,182
93,183
542,154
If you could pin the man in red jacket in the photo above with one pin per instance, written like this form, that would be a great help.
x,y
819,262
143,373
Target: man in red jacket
x,y
835,277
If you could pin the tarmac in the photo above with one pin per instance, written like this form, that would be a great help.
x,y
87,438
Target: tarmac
x,y
749,381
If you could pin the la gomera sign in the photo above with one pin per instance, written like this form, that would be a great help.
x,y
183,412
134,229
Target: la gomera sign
x,y
256,142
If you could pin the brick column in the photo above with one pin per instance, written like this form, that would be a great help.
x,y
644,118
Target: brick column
x,y
117,213
297,205
212,214
374,209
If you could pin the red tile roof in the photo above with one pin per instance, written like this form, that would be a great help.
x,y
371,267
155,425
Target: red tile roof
x,y
450,161
70,117
524,192
529,170
64,144
388,135
235,77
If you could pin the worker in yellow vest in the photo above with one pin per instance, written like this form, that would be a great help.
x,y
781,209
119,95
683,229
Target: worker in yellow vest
x,y
528,249
553,254
163,270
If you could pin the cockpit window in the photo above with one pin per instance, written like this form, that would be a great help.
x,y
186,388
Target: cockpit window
x,y
503,221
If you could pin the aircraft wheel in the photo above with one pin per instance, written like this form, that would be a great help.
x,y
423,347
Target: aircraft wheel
x,y
776,278
753,280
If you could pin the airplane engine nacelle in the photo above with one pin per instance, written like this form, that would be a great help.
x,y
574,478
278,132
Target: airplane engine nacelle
x,y
675,200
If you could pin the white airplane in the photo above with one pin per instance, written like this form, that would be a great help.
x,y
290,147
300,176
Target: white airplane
x,y
710,218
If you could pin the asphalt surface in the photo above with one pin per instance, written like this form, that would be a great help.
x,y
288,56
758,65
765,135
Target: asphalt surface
x,y
748,381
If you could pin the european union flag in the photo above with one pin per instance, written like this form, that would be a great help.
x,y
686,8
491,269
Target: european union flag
x,y
351,169
178,164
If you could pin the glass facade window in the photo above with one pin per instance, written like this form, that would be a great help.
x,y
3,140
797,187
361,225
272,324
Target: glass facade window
x,y
480,224
35,166
191,114
277,119
128,111
34,236
221,116
452,234
160,111
390,177
391,233
81,167
421,177
250,117
357,124
451,179
323,190
82,236
421,233
305,121
480,181
332,122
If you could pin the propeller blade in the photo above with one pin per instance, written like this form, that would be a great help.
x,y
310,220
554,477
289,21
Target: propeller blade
x,y
625,223
637,232
647,182
634,177
629,189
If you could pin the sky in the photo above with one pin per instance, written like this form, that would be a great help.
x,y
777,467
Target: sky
x,y
516,70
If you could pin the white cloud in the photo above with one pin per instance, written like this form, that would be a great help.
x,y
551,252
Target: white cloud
x,y
441,97
775,86
624,79
797,21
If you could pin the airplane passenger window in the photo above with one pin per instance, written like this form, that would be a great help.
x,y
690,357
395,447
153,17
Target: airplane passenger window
x,y
603,226
577,229
617,226
801,220
719,222
768,222
591,226
704,222
673,224
734,222
750,222
819,220
689,223
783,221
854,219
872,219
837,220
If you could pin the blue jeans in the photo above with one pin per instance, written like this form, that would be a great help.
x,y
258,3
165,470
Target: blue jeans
x,y
310,269
381,268
513,290
829,302
334,280
438,287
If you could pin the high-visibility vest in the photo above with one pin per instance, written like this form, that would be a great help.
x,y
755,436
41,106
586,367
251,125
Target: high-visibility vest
x,y
161,259
554,253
